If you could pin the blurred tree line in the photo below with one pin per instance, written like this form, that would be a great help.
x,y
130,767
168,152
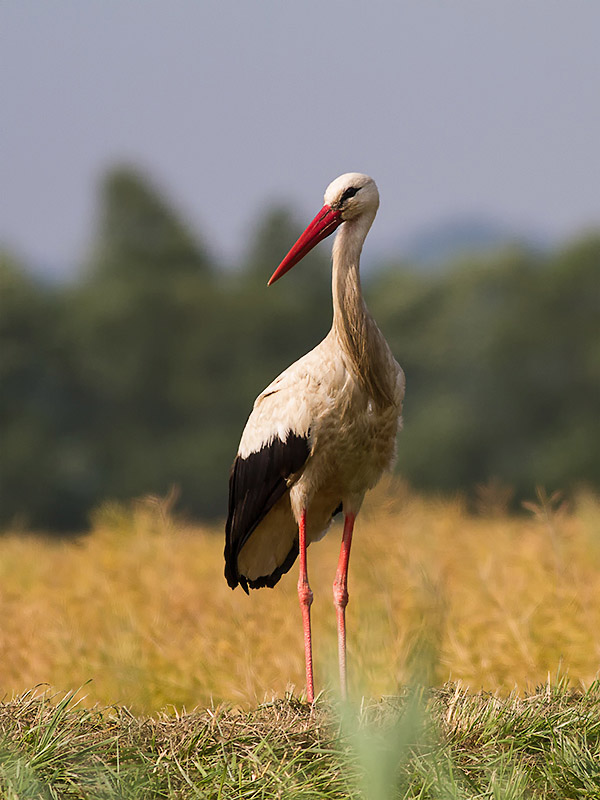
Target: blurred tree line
x,y
139,375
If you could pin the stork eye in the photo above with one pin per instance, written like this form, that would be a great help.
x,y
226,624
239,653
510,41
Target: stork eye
x,y
350,192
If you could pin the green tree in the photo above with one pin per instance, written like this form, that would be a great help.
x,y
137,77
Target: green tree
x,y
143,321
41,472
502,365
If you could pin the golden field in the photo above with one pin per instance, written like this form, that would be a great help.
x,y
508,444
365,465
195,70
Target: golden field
x,y
137,612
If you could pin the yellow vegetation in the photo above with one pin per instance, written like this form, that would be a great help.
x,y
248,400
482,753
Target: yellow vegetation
x,y
140,609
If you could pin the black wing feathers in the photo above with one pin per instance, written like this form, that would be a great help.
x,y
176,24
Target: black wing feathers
x,y
256,483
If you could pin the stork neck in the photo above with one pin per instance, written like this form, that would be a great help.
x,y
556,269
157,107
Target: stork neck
x,y
354,328
349,310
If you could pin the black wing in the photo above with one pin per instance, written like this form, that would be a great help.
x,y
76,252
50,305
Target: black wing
x,y
256,483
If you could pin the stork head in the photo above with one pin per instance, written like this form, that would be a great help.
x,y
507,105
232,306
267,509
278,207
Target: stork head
x,y
352,194
350,197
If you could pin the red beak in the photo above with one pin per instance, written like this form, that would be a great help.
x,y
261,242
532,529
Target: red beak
x,y
324,224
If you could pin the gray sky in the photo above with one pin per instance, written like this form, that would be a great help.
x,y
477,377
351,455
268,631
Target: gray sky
x,y
453,106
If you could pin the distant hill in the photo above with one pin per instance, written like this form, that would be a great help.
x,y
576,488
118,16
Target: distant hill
x,y
444,242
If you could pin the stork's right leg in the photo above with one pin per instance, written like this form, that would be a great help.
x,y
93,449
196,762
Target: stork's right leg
x,y
305,596
340,598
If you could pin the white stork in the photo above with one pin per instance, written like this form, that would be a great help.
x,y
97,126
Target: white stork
x,y
320,434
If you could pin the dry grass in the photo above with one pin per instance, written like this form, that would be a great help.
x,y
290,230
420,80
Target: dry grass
x,y
423,745
139,607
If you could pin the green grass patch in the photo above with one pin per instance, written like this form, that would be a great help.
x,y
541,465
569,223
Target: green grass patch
x,y
442,743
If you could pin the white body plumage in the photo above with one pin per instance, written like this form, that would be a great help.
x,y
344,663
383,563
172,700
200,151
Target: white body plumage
x,y
342,402
351,443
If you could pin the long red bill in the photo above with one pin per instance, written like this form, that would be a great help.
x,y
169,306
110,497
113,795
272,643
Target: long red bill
x,y
324,224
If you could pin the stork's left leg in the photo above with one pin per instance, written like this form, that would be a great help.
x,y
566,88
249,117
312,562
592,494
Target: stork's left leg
x,y
305,596
340,597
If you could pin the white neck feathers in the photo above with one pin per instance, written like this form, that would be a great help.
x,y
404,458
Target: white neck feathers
x,y
355,330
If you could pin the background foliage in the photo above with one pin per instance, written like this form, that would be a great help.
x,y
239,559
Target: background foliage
x,y
139,375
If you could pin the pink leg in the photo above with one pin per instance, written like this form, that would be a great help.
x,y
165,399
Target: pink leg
x,y
305,596
340,597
